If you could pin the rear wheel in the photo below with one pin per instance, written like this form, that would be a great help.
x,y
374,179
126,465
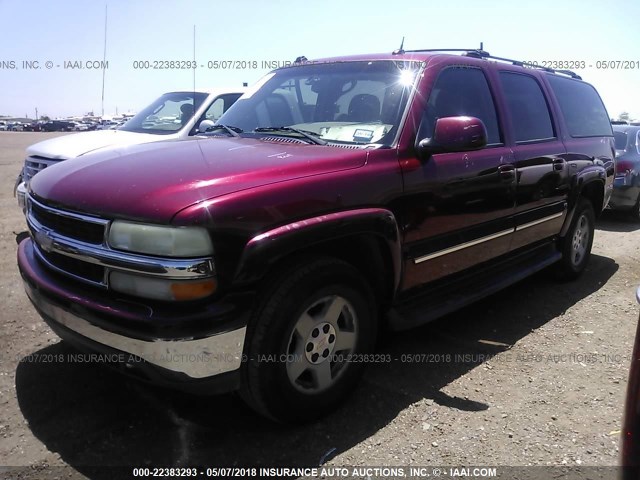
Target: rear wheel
x,y
576,245
305,340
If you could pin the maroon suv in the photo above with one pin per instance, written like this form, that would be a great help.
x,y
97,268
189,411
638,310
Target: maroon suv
x,y
335,199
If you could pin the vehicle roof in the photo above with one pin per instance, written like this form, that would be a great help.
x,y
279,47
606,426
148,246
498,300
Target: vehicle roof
x,y
470,56
625,128
213,90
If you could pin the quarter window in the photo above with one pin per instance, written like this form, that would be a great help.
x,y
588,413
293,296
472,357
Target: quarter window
x,y
461,91
530,115
581,106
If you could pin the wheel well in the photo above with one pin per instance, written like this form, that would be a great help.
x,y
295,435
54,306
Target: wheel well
x,y
367,252
594,192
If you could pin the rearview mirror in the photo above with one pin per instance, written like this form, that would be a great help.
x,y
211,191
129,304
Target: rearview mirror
x,y
205,125
454,134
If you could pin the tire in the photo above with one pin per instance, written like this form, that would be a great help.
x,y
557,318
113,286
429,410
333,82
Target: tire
x,y
635,211
314,316
576,245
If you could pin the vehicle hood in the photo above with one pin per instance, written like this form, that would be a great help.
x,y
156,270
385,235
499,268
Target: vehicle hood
x,y
71,146
155,181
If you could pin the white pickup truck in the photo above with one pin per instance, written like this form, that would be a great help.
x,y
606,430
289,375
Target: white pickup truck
x,y
170,117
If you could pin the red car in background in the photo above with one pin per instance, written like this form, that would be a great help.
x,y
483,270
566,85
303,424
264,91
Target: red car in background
x,y
631,427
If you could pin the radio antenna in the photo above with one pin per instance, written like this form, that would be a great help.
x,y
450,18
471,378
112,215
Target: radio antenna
x,y
399,51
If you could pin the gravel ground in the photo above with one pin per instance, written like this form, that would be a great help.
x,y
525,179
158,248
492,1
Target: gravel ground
x,y
535,375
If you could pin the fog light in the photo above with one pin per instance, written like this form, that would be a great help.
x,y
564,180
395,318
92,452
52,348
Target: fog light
x,y
160,288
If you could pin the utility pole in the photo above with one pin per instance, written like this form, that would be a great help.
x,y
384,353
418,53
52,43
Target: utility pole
x,y
104,56
36,114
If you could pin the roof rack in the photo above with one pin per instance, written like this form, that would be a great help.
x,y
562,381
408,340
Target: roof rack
x,y
480,53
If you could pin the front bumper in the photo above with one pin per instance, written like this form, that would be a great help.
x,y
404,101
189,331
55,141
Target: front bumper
x,y
624,197
179,351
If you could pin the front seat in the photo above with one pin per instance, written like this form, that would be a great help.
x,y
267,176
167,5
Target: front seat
x,y
186,112
364,108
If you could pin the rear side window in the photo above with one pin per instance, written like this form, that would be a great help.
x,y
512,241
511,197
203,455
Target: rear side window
x,y
462,91
621,140
530,115
582,107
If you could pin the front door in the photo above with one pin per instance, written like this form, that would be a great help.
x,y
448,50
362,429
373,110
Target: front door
x,y
457,209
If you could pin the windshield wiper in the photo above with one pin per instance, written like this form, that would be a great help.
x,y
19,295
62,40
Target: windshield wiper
x,y
311,136
233,131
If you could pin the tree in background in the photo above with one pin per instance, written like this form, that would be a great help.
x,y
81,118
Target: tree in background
x,y
625,117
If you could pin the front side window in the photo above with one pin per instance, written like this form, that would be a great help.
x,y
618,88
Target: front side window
x,y
530,117
358,102
581,107
219,106
461,91
168,114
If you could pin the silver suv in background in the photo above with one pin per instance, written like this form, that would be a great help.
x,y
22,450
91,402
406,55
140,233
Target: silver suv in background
x,y
626,186
173,116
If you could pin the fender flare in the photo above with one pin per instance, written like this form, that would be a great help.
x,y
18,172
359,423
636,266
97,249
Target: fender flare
x,y
263,251
580,183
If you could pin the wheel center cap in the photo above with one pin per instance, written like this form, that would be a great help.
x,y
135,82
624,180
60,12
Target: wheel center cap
x,y
320,343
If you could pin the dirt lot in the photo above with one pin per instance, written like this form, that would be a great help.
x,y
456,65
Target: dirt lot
x,y
535,375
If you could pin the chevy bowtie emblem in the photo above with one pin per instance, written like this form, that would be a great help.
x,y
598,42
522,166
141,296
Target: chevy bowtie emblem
x,y
44,240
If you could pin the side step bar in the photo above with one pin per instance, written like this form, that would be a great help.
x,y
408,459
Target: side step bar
x,y
445,297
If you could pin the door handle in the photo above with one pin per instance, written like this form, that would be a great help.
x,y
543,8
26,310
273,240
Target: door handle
x,y
507,172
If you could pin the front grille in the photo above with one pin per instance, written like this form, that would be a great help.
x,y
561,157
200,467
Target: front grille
x,y
78,268
68,226
35,164
73,244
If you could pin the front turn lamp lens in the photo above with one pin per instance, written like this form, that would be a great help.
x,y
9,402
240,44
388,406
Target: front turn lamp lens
x,y
193,290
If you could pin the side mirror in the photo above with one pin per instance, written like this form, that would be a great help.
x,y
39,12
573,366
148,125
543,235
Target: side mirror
x,y
205,125
454,134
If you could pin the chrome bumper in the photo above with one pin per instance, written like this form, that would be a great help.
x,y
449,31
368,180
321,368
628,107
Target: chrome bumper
x,y
201,358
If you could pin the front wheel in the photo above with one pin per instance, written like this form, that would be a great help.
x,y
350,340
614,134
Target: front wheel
x,y
307,339
576,245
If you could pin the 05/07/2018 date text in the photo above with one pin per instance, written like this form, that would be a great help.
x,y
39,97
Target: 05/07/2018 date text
x,y
209,64
582,64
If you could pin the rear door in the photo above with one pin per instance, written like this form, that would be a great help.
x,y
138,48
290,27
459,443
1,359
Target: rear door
x,y
539,159
588,137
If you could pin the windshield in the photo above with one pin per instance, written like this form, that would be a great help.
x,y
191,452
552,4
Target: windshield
x,y
167,114
348,102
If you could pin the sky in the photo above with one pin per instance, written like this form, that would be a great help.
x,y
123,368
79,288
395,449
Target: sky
x,y
268,32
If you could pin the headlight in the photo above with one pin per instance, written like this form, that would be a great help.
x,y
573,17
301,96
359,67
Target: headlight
x,y
160,240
